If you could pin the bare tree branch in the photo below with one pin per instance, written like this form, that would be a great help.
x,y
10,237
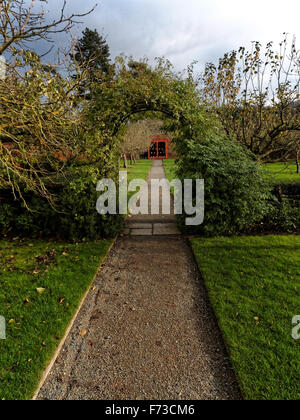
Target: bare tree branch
x,y
256,96
20,23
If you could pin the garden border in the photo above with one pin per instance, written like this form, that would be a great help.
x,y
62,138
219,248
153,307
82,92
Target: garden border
x,y
50,365
215,315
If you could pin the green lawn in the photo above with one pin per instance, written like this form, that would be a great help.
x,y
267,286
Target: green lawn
x,y
42,284
170,167
277,173
281,172
139,170
254,287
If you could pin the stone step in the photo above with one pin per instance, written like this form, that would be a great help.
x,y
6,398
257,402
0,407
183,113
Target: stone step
x,y
151,229
142,219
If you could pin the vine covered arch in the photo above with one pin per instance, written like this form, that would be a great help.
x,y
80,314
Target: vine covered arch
x,y
235,190
137,89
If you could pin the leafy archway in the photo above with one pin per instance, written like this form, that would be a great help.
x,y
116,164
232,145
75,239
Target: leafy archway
x,y
235,190
138,89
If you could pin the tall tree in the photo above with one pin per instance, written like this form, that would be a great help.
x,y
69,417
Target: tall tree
x,y
40,133
92,51
256,96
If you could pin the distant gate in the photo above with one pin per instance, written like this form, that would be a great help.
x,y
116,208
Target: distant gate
x,y
158,148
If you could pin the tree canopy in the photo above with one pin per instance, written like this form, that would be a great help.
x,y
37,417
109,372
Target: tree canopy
x,y
92,51
159,89
23,22
40,132
256,97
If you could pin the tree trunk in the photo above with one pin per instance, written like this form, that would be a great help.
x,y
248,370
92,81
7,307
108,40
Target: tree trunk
x,y
125,161
131,159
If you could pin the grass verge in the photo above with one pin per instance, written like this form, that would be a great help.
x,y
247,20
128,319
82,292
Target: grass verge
x,y
280,172
170,167
254,287
41,284
139,170
276,173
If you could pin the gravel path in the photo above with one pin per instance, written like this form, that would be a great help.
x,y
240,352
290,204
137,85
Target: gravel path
x,y
145,331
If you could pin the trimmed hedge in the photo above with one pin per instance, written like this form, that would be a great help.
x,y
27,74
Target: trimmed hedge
x,y
236,193
291,189
285,210
73,218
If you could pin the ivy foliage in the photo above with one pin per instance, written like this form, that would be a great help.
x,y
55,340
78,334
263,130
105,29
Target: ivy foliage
x,y
137,88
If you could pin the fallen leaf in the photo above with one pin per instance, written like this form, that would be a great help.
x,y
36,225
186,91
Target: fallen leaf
x,y
40,290
35,272
83,333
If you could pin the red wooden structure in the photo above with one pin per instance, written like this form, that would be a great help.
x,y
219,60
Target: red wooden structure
x,y
158,148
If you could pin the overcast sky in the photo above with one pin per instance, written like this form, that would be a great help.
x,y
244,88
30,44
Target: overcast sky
x,y
187,30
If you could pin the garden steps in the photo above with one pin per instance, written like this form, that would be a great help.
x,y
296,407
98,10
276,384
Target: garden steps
x,y
151,229
153,225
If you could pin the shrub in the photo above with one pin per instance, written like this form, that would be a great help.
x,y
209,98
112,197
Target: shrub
x,y
284,213
74,216
291,189
235,190
283,217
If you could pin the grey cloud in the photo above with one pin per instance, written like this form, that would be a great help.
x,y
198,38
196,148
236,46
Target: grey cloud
x,y
180,30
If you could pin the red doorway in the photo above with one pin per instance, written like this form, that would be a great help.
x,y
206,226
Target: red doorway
x,y
158,148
